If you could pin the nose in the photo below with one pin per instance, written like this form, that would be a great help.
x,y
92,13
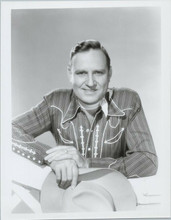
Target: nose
x,y
90,80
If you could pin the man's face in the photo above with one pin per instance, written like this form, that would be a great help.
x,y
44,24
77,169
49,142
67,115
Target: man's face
x,y
89,75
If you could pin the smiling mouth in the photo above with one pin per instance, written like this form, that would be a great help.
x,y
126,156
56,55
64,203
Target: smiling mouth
x,y
90,90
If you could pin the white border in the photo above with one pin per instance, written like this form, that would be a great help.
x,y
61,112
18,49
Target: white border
x,y
166,98
6,8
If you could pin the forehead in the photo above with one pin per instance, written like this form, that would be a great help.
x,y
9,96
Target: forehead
x,y
91,58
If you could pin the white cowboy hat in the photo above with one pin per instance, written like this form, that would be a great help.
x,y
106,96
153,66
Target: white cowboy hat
x,y
97,190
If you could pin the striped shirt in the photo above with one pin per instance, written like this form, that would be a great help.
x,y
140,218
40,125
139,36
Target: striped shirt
x,y
119,139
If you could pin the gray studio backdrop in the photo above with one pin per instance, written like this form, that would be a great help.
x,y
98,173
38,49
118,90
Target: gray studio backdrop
x,y
42,39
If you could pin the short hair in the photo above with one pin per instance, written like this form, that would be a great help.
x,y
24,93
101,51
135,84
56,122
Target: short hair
x,y
86,46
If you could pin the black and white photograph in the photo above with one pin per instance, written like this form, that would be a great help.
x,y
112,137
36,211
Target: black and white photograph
x,y
85,109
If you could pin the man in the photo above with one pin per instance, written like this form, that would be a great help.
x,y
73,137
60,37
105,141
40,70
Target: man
x,y
93,126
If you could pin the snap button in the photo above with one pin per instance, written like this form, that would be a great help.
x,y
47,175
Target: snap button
x,y
89,149
87,130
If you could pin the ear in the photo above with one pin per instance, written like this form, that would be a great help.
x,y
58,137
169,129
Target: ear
x,y
69,73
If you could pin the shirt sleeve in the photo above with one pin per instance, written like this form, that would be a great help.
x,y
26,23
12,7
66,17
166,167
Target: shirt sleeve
x,y
28,126
140,159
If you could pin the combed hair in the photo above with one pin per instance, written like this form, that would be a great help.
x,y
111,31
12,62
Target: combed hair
x,y
86,46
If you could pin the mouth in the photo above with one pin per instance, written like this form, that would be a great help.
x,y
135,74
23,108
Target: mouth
x,y
89,90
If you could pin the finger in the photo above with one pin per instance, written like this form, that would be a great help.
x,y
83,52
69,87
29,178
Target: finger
x,y
57,153
69,177
54,154
74,152
61,157
67,184
69,173
74,176
58,176
53,149
77,158
73,155
50,155
64,178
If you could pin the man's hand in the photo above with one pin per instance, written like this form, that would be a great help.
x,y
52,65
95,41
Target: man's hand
x,y
66,173
65,161
66,153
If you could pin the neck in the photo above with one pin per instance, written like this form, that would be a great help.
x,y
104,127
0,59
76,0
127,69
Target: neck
x,y
89,106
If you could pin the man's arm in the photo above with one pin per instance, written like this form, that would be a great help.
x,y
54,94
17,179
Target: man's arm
x,y
140,158
28,126
24,130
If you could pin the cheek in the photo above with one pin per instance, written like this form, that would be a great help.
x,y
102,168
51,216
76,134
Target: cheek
x,y
104,81
77,82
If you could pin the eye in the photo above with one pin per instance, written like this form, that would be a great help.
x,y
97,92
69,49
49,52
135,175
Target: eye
x,y
81,73
99,72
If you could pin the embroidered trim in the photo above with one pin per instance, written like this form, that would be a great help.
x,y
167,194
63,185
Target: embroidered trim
x,y
82,140
96,141
127,109
63,116
112,164
67,109
53,106
23,148
115,125
103,139
25,142
63,139
93,141
91,129
118,135
72,116
75,135
123,113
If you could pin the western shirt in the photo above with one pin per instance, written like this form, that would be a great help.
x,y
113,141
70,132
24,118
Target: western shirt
x,y
119,139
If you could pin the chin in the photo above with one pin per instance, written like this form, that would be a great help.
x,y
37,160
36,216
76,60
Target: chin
x,y
90,101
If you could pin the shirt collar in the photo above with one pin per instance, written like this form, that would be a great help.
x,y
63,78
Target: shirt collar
x,y
113,109
108,107
72,109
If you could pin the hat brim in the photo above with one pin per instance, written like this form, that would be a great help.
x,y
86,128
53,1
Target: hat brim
x,y
115,184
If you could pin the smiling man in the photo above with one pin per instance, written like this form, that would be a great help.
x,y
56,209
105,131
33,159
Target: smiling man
x,y
93,125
